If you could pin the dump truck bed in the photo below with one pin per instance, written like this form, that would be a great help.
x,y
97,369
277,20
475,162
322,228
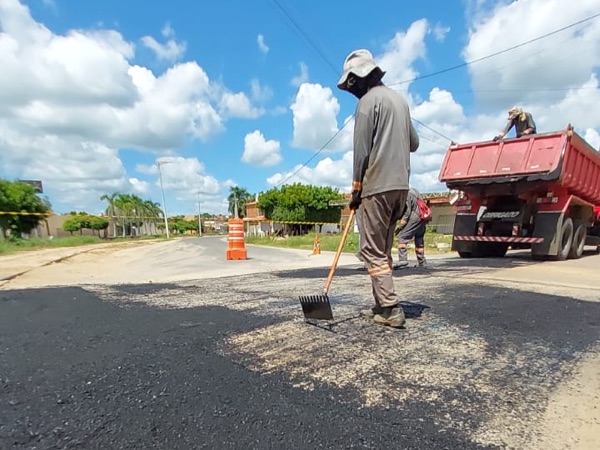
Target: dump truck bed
x,y
561,157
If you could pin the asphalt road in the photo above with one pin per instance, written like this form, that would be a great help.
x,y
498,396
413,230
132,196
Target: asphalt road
x,y
227,361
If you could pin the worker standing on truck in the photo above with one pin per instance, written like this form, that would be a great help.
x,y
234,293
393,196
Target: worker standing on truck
x,y
383,139
521,120
411,226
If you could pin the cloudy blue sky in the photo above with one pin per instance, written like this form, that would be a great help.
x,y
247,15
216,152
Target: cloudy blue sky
x,y
93,94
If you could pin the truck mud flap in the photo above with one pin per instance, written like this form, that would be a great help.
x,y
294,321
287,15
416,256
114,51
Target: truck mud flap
x,y
464,224
547,226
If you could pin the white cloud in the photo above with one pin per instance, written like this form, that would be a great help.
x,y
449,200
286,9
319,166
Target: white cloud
x,y
139,187
440,31
439,109
264,48
260,152
259,92
593,138
327,172
401,52
167,31
171,50
427,181
238,105
315,110
580,107
185,176
302,77
75,172
533,72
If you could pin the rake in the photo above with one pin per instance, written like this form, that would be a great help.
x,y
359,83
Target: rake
x,y
318,306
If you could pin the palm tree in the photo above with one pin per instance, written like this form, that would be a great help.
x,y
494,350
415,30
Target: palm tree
x,y
126,206
111,210
153,212
242,196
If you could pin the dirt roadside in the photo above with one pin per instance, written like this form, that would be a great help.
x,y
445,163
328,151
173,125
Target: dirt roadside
x,y
18,264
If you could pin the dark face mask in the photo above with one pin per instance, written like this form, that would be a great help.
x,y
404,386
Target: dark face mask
x,y
357,86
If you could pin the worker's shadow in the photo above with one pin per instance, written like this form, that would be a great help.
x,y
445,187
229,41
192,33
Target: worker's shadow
x,y
413,310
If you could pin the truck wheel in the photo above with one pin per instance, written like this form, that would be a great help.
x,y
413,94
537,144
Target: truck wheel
x,y
565,240
465,254
496,250
578,240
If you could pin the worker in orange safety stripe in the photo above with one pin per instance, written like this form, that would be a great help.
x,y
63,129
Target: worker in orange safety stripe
x,y
383,139
411,226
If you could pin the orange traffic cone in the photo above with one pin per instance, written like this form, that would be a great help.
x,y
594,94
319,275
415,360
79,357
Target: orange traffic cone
x,y
236,248
316,246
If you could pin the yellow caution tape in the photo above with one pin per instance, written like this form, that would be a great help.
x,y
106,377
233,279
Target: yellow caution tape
x,y
12,213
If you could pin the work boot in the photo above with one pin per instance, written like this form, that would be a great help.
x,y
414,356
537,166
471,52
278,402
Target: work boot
x,y
392,316
371,312
400,265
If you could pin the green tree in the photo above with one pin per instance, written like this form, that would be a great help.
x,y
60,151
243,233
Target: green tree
x,y
98,224
111,210
71,225
132,213
20,197
152,212
242,196
300,203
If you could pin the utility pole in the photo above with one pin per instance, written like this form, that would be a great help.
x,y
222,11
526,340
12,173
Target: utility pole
x,y
199,221
235,206
159,163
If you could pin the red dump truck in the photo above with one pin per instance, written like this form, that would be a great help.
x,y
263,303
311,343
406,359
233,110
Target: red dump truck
x,y
540,192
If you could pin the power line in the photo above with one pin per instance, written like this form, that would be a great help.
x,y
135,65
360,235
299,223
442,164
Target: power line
x,y
299,30
313,156
431,129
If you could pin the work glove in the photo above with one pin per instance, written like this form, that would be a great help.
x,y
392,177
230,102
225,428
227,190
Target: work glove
x,y
355,200
401,226
497,138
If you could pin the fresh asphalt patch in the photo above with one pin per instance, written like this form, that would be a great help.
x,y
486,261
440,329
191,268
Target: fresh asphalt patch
x,y
79,372
230,363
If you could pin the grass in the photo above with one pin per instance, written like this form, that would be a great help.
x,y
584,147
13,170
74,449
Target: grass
x,y
327,242
8,246
330,242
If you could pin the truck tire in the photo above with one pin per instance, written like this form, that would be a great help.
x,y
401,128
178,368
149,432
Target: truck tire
x,y
578,243
477,250
565,239
496,250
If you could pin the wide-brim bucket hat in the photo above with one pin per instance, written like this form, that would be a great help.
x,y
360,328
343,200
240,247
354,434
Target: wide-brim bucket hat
x,y
515,111
360,63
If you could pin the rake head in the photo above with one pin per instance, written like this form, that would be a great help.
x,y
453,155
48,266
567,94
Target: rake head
x,y
316,307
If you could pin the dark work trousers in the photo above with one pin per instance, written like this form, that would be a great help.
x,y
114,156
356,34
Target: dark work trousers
x,y
414,229
378,216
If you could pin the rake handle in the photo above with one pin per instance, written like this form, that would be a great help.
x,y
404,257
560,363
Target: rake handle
x,y
339,251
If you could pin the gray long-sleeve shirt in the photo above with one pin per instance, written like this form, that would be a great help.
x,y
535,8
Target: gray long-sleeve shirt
x,y
520,125
411,209
384,136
